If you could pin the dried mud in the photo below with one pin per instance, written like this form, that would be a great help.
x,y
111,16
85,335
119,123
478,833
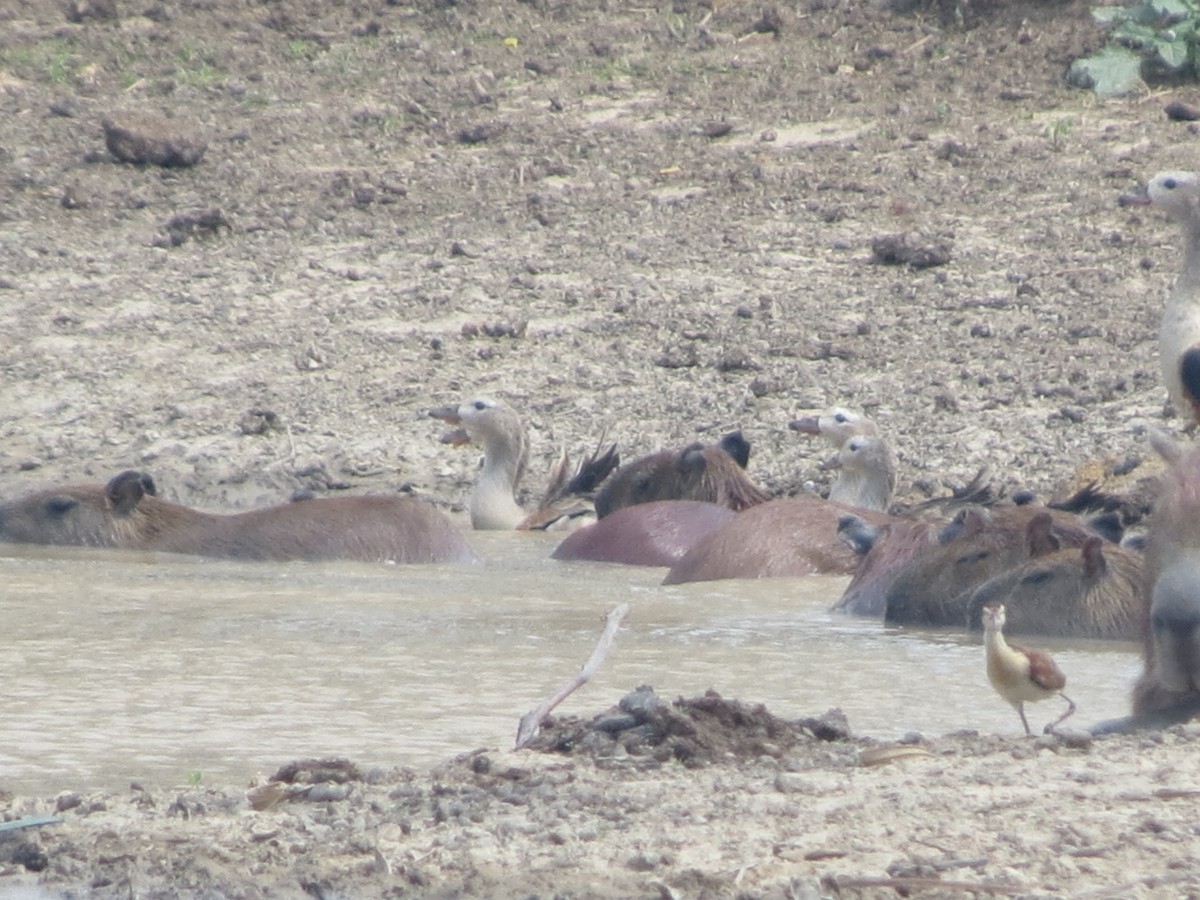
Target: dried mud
x,y
669,220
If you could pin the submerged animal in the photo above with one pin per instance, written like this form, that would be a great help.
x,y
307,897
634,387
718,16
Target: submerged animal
x,y
712,473
1020,675
1178,195
493,504
934,588
1093,591
126,513
658,533
796,536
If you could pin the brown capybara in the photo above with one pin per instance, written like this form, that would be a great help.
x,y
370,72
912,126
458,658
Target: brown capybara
x,y
1093,591
648,534
933,588
712,474
1170,621
882,552
790,537
125,513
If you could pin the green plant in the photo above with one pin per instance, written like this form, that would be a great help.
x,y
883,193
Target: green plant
x,y
52,60
194,777
1150,39
1059,129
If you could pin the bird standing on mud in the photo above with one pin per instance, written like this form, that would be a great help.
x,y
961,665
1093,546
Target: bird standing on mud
x,y
1178,195
1018,674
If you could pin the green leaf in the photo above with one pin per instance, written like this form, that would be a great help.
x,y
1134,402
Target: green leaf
x,y
1111,72
1173,9
1134,34
1107,15
1174,54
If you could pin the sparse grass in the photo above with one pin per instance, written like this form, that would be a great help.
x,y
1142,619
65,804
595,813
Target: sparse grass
x,y
303,48
1058,129
612,69
198,68
50,60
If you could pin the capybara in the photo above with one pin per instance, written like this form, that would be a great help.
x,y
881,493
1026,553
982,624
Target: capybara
x,y
933,588
711,473
1093,591
648,534
1170,678
797,536
126,513
882,551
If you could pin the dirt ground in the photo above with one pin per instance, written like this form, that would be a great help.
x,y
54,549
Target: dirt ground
x,y
656,219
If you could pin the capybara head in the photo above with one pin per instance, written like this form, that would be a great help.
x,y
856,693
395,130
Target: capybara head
x,y
933,589
697,472
1171,596
1093,591
86,515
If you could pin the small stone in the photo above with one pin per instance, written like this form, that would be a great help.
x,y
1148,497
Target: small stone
x,y
1178,111
142,138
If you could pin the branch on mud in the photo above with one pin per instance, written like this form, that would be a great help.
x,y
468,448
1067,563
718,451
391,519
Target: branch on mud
x,y
1124,890
905,885
532,720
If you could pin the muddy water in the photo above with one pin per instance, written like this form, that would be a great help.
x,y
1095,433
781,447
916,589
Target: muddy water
x,y
121,667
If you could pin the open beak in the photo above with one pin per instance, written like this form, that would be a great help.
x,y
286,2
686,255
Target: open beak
x,y
449,414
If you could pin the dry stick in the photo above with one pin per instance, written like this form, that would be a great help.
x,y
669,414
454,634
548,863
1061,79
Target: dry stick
x,y
532,720
1150,881
916,883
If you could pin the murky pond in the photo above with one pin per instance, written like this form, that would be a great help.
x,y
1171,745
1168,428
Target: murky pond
x,y
123,667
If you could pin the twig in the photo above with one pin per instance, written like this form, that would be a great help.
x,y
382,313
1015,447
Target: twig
x,y
838,883
532,720
1150,881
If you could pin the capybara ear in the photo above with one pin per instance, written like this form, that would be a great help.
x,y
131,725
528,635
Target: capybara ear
x,y
1039,534
967,523
691,459
737,447
1094,563
125,491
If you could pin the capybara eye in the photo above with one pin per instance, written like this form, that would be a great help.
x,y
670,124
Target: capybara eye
x,y
58,506
1039,577
479,404
1170,184
969,558
839,417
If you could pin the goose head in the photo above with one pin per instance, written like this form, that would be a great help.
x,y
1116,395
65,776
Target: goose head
x,y
836,426
498,429
866,473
